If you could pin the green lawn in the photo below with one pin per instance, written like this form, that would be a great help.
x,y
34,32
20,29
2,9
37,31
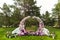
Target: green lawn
x,y
4,30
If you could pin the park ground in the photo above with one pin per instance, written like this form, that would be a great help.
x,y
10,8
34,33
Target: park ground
x,y
51,29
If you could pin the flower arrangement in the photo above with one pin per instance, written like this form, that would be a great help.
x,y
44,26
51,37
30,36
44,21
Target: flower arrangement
x,y
10,35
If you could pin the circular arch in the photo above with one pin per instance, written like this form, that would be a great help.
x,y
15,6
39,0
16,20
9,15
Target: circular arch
x,y
22,25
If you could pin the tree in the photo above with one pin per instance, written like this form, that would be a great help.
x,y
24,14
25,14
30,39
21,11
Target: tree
x,y
1,19
16,17
56,14
6,14
47,18
28,7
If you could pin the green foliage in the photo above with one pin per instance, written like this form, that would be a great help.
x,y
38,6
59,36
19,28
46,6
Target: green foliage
x,y
31,22
56,13
47,19
12,14
33,10
5,15
12,18
8,17
29,7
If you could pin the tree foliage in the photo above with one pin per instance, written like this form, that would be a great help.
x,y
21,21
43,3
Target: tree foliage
x,y
56,14
28,7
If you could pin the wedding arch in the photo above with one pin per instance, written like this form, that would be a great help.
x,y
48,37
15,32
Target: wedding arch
x,y
22,24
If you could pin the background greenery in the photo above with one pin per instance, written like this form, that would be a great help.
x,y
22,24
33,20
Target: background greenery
x,y
11,15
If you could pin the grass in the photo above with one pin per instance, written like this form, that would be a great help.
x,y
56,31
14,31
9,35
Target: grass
x,y
51,29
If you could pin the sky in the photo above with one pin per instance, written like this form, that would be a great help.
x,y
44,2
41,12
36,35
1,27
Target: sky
x,y
47,5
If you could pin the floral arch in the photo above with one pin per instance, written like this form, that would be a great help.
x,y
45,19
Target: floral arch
x,y
22,25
